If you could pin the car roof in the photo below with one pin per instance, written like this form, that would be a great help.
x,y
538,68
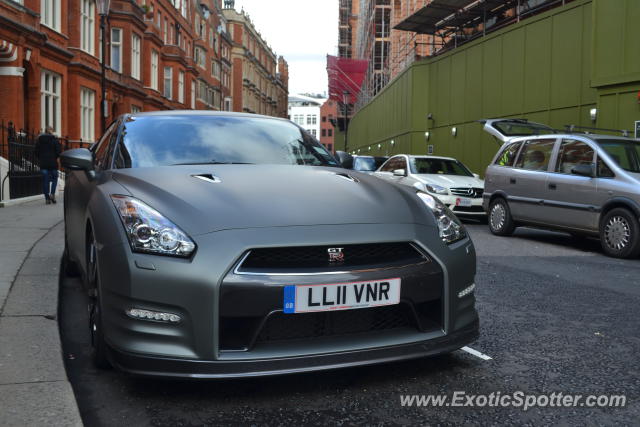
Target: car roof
x,y
589,136
167,113
414,156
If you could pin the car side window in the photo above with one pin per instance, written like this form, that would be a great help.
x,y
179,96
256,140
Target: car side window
x,y
101,151
390,165
604,171
573,153
508,156
535,155
401,163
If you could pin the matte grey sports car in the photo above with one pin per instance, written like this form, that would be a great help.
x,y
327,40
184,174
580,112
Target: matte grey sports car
x,y
226,245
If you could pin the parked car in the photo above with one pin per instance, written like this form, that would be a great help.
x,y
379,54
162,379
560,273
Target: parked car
x,y
368,164
444,177
228,244
585,184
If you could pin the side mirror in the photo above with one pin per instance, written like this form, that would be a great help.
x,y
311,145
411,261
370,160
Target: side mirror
x,y
584,170
476,176
77,159
399,172
345,159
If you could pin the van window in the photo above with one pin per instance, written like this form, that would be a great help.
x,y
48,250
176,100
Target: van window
x,y
508,155
573,153
535,155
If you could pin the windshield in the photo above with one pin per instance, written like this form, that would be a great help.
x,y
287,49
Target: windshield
x,y
626,153
515,128
194,139
439,166
368,164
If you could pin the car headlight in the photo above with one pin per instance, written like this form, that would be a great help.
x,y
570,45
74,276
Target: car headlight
x,y
150,232
436,189
449,226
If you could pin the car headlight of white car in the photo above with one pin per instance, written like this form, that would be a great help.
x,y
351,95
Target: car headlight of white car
x,y
436,189
449,226
149,231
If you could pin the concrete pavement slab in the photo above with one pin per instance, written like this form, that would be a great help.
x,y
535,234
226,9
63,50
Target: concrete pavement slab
x,y
5,285
39,266
38,404
31,215
10,263
51,245
30,350
33,296
19,239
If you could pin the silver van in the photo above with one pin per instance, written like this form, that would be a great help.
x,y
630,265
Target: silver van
x,y
581,183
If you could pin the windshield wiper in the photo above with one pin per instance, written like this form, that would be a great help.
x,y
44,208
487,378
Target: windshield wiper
x,y
212,163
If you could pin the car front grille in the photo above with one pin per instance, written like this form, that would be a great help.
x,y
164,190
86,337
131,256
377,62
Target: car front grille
x,y
280,326
320,257
474,193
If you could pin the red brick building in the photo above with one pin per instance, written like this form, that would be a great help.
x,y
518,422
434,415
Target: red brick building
x,y
161,54
328,113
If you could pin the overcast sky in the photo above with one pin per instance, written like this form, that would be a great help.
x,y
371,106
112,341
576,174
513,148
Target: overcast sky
x,y
303,31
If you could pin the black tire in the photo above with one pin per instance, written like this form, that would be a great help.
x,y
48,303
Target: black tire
x,y
499,218
620,234
70,268
100,350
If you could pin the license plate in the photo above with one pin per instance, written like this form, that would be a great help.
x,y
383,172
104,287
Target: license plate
x,y
341,296
460,201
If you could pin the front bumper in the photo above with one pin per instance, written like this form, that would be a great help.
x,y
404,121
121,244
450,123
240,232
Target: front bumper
x,y
454,204
138,364
204,290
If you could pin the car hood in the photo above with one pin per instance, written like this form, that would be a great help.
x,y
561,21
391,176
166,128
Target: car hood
x,y
247,196
449,181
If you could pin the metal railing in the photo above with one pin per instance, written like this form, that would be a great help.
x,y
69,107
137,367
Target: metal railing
x,y
19,165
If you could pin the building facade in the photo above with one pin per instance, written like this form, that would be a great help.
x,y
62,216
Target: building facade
x,y
160,54
304,110
260,77
328,116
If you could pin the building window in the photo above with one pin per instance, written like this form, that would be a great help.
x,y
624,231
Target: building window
x,y
116,49
200,56
166,30
313,132
87,114
50,100
87,26
135,109
193,94
215,69
324,119
181,87
50,13
135,56
329,132
168,81
311,119
227,104
154,69
324,132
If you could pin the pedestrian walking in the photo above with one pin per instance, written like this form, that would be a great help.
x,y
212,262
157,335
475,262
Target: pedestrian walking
x,y
48,150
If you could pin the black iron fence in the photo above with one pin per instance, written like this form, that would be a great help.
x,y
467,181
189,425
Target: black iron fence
x,y
19,166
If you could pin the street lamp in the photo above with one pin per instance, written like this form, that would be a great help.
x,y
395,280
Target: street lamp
x,y
345,99
103,11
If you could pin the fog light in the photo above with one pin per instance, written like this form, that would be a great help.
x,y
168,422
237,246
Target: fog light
x,y
466,291
137,313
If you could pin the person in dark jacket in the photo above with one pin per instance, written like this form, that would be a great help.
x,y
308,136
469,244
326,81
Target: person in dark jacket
x,y
48,150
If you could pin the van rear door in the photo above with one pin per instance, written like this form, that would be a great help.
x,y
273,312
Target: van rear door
x,y
505,130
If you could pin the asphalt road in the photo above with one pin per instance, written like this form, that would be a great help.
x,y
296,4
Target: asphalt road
x,y
556,316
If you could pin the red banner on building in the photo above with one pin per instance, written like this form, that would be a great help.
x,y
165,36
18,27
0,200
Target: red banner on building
x,y
345,75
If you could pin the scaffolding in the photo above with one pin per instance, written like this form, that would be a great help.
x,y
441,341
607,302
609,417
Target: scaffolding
x,y
345,36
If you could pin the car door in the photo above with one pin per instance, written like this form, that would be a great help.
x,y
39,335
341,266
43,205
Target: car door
x,y
571,200
526,181
79,186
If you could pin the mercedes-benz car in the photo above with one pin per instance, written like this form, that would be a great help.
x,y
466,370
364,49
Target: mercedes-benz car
x,y
228,245
446,178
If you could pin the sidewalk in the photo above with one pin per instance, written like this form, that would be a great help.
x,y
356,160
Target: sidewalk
x,y
34,389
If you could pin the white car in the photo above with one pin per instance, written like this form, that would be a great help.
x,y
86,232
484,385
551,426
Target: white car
x,y
444,177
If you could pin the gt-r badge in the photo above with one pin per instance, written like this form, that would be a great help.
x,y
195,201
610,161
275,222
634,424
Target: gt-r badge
x,y
335,254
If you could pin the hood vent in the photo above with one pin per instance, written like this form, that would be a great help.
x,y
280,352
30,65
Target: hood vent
x,y
207,177
347,176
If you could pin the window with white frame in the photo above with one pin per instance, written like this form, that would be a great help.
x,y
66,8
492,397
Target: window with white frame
x,y
154,69
166,30
50,90
215,69
87,114
227,104
135,109
87,26
135,56
116,49
199,56
50,13
193,94
168,81
181,87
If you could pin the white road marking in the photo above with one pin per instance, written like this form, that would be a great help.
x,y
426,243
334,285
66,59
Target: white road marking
x,y
476,353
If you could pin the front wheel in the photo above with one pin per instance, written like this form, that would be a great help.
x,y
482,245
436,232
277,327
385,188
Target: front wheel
x,y
100,359
499,218
620,234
